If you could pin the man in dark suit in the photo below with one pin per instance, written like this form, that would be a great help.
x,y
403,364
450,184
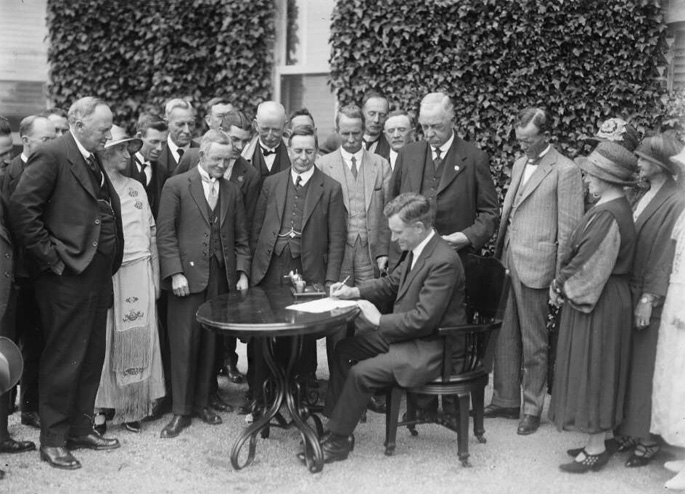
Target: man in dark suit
x,y
247,179
66,215
180,117
453,174
267,151
401,347
299,225
203,252
399,131
34,130
144,165
375,107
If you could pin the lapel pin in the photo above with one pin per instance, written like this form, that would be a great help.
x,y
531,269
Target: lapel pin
x,y
456,168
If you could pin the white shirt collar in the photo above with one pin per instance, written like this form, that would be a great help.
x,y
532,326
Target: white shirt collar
x,y
140,158
86,154
419,248
24,158
393,158
305,176
264,146
347,157
445,147
205,176
174,148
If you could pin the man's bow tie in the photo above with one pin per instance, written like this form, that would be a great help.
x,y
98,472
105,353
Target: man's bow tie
x,y
267,152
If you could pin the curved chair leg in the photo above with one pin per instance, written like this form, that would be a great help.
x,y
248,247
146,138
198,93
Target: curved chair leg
x,y
477,401
392,415
463,434
411,415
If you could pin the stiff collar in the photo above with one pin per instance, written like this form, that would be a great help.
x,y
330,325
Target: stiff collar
x,y
304,176
86,154
419,248
445,147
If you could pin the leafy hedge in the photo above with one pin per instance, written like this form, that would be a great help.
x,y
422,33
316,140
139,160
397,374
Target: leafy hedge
x,y
582,60
137,55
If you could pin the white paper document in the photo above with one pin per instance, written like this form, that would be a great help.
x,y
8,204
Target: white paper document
x,y
322,305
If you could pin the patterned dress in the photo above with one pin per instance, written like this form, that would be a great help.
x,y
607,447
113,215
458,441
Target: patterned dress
x,y
132,376
594,330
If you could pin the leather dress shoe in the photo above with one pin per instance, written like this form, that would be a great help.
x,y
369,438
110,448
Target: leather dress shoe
x,y
92,441
59,458
32,419
175,426
218,404
495,411
528,425
300,454
377,404
234,374
10,445
336,447
207,416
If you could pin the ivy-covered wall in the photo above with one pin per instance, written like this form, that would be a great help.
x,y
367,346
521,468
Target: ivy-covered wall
x,y
137,55
583,60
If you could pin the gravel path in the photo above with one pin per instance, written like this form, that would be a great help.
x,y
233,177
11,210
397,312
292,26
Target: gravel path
x,y
198,461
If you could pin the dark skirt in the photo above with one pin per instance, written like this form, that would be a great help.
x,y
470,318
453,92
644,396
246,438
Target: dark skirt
x,y
592,361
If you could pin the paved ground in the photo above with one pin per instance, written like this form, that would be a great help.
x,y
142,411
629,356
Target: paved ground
x,y
197,461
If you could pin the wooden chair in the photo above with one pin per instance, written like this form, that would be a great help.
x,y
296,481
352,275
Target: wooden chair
x,y
487,288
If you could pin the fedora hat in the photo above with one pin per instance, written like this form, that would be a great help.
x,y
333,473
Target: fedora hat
x,y
659,149
610,162
619,131
11,364
119,136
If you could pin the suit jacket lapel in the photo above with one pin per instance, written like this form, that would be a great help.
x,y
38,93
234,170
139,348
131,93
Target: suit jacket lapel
x,y
223,199
281,191
337,172
454,164
313,195
369,172
78,166
543,169
418,266
416,166
197,192
663,194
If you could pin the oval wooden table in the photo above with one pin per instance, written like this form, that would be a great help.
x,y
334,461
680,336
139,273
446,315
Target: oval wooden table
x,y
261,313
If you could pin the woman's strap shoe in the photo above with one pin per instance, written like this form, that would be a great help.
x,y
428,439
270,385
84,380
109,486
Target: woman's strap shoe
x,y
588,463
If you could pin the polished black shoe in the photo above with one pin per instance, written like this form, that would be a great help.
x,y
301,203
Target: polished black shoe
x,y
642,455
324,437
134,426
336,447
10,445
59,458
92,441
377,404
234,375
218,404
175,426
528,425
32,419
589,462
207,416
495,411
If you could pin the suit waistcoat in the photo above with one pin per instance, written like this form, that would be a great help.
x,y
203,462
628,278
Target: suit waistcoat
x,y
431,182
215,246
260,164
107,242
356,220
292,219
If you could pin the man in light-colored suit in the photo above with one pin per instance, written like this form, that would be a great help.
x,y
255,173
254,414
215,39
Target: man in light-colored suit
x,y
542,206
203,252
365,181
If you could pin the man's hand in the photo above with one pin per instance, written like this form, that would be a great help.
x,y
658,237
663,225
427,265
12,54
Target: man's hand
x,y
369,312
382,262
554,298
342,291
457,240
243,282
179,285
643,313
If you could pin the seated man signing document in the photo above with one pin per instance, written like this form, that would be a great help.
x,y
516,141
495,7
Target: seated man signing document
x,y
427,291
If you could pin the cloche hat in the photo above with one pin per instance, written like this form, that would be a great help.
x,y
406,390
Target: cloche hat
x,y
119,136
610,162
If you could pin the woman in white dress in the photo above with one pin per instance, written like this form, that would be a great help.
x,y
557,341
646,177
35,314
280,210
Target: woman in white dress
x,y
132,376
668,392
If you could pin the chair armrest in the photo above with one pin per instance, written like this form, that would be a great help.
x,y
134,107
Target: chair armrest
x,y
469,328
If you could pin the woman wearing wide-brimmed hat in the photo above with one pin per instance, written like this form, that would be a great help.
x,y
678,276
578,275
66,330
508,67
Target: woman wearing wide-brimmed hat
x,y
132,376
655,216
594,342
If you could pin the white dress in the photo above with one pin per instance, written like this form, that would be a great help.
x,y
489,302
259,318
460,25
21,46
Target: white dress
x,y
668,395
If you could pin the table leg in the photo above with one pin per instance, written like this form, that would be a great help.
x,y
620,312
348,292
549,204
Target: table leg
x,y
313,453
279,378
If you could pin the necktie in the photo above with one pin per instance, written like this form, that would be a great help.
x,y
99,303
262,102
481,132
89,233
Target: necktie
x,y
438,159
266,152
298,182
354,167
147,171
213,195
93,165
180,153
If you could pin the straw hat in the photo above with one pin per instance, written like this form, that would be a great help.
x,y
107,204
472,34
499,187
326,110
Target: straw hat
x,y
659,150
11,364
119,136
610,162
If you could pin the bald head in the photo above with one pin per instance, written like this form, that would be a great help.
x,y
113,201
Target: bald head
x,y
35,130
270,123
